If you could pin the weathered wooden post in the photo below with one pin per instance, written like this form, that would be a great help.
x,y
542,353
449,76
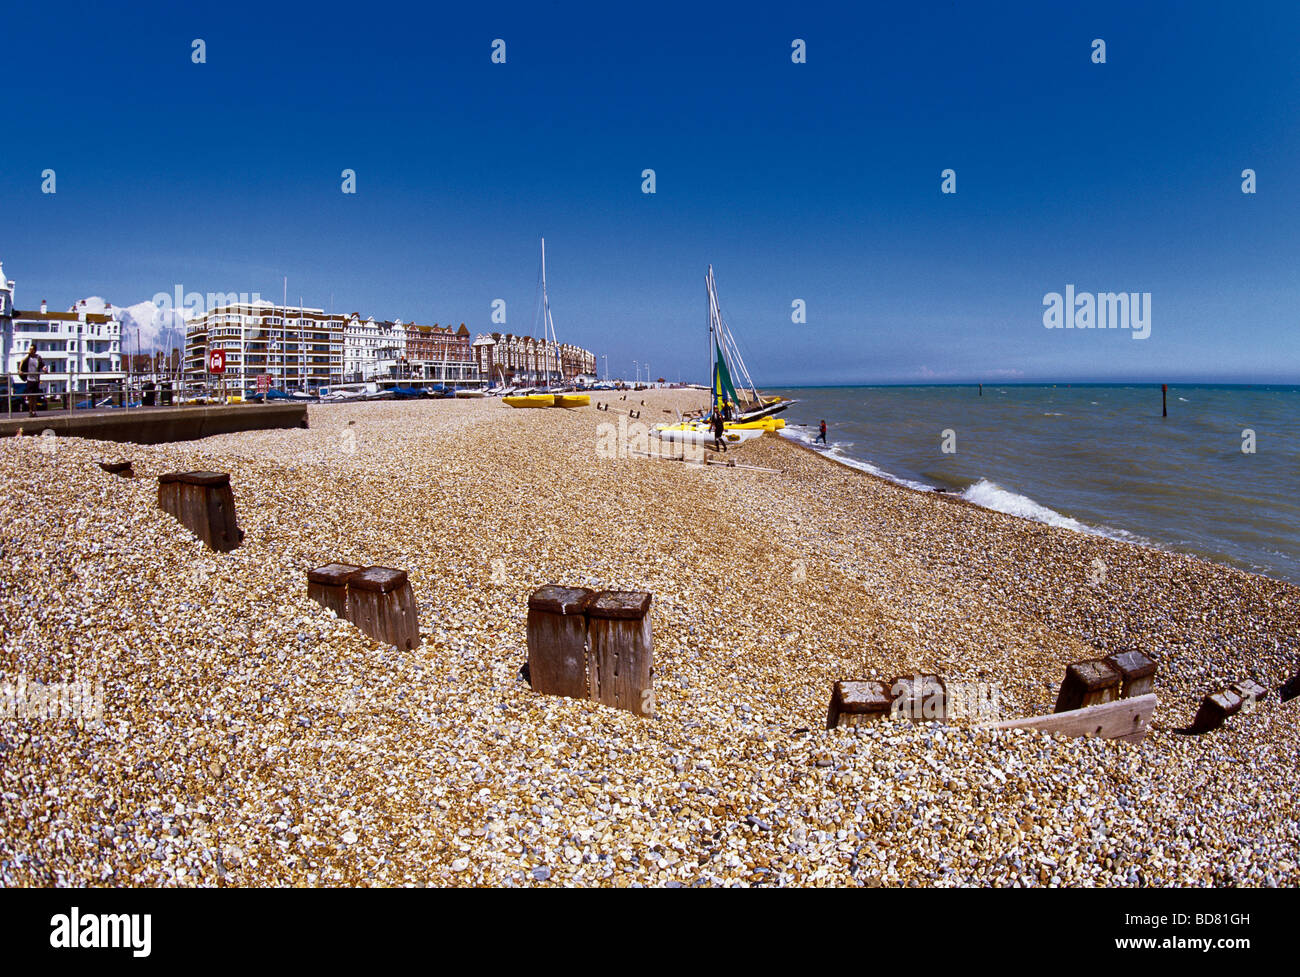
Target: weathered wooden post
x,y
1088,683
1164,400
122,468
1137,673
557,640
620,651
1251,692
919,697
169,493
856,703
1290,689
204,504
1214,711
328,586
382,604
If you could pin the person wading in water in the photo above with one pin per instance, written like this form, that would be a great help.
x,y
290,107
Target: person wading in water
x,y
822,436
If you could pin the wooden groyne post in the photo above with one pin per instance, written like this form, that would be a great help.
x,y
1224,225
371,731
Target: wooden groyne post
x,y
922,697
382,604
856,703
328,586
1137,673
1290,689
1164,400
1088,683
621,650
557,640
204,504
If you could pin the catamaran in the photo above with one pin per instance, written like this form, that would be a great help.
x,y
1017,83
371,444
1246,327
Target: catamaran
x,y
725,361
748,415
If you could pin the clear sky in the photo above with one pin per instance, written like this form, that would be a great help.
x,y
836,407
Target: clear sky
x,y
816,181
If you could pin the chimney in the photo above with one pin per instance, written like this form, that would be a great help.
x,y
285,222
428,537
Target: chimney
x,y
42,306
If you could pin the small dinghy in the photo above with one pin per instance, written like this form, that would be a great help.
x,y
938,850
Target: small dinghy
x,y
703,434
530,400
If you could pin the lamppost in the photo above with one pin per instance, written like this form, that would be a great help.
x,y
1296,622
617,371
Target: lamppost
x,y
636,367
605,357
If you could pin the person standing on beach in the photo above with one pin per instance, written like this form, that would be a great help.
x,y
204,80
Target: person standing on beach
x,y
30,368
719,432
822,436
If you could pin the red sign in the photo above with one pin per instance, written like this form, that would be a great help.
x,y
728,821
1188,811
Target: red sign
x,y
263,382
217,361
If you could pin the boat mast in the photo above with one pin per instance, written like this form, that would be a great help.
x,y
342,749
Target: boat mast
x,y
548,324
713,376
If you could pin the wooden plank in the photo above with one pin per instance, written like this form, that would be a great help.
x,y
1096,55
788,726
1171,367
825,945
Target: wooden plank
x,y
1123,719
204,503
122,468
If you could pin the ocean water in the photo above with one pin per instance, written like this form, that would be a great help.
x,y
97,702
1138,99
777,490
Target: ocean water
x,y
1092,458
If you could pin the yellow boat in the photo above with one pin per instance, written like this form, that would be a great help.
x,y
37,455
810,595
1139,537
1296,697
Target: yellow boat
x,y
762,424
572,400
530,400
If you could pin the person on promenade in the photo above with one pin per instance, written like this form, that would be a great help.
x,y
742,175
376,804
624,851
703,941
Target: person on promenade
x,y
822,436
30,368
719,432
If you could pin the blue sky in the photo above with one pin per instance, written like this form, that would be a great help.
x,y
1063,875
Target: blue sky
x,y
816,181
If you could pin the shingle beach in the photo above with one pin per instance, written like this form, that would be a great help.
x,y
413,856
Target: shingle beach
x,y
250,738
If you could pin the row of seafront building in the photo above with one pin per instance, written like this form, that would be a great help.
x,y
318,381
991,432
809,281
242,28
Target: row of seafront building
x,y
297,348
306,348
80,348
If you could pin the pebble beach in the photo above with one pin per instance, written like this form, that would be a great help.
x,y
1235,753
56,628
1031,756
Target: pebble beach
x,y
250,738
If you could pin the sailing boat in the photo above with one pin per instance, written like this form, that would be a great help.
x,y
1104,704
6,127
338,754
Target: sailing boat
x,y
749,415
725,361
548,395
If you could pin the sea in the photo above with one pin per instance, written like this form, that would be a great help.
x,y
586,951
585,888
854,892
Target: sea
x,y
1216,478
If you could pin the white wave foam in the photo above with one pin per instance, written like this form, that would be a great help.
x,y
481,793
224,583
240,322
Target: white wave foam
x,y
835,453
984,493
991,495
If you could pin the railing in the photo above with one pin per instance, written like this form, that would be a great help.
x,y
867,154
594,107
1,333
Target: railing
x,y
120,394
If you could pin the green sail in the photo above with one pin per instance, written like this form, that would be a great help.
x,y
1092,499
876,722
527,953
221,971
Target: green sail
x,y
722,386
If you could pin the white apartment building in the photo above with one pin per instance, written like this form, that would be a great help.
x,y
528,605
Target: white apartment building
x,y
371,349
298,348
80,348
